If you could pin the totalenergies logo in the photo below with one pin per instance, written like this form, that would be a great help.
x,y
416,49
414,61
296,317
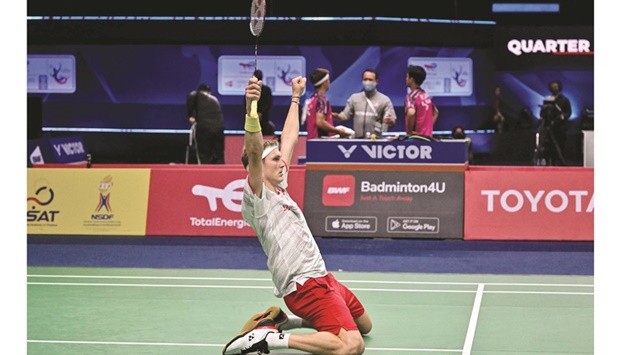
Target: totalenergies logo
x,y
430,67
230,196
104,187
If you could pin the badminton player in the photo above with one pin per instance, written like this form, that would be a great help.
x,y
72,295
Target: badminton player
x,y
313,295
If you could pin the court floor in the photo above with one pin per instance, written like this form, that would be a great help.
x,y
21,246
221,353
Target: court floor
x,y
122,311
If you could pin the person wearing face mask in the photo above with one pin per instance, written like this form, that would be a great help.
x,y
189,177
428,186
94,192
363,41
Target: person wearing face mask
x,y
372,111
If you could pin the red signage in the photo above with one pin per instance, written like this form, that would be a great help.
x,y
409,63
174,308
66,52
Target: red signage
x,y
533,203
338,190
206,201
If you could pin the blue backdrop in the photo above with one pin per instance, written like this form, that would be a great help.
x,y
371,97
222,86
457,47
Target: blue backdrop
x,y
145,86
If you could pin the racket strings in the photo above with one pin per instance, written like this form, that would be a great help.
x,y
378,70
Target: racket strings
x,y
257,21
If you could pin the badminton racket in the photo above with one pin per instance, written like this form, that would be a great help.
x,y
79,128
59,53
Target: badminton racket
x,y
257,22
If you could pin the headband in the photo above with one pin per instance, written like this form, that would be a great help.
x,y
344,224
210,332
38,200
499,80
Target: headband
x,y
268,150
322,80
265,154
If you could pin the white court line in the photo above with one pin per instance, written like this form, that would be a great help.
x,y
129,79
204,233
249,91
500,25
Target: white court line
x,y
146,285
119,343
154,277
216,345
542,293
473,320
344,281
465,351
271,287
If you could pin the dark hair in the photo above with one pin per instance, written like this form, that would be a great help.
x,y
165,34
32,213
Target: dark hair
x,y
417,73
456,129
258,74
371,71
555,82
204,87
317,75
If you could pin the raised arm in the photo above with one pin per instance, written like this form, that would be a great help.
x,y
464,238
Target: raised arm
x,y
253,136
290,132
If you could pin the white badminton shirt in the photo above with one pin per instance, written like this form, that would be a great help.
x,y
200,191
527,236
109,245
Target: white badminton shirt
x,y
292,253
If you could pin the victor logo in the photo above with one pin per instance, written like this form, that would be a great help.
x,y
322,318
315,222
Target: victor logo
x,y
389,152
70,148
347,152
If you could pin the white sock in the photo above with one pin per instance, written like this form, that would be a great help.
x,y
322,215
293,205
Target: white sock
x,y
277,340
293,322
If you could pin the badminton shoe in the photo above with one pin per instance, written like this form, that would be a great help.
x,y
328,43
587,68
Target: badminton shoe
x,y
275,313
252,341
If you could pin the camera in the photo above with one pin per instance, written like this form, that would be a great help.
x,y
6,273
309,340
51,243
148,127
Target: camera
x,y
550,113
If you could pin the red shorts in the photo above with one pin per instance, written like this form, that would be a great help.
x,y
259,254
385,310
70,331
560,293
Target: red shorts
x,y
326,303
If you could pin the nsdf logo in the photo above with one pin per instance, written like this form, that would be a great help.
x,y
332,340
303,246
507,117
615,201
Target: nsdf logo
x,y
338,190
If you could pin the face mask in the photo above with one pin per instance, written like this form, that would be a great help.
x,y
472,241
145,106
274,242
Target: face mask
x,y
369,85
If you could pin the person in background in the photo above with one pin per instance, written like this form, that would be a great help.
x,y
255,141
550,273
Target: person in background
x,y
314,296
498,116
559,128
371,110
318,110
205,115
459,133
264,106
420,111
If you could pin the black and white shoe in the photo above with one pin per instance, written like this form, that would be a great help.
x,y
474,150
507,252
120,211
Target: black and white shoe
x,y
254,340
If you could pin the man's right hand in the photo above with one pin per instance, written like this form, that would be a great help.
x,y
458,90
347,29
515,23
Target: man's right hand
x,y
252,92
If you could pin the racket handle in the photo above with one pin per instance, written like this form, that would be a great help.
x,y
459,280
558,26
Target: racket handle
x,y
254,105
254,109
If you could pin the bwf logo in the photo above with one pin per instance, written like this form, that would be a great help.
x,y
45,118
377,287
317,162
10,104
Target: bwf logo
x,y
338,190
